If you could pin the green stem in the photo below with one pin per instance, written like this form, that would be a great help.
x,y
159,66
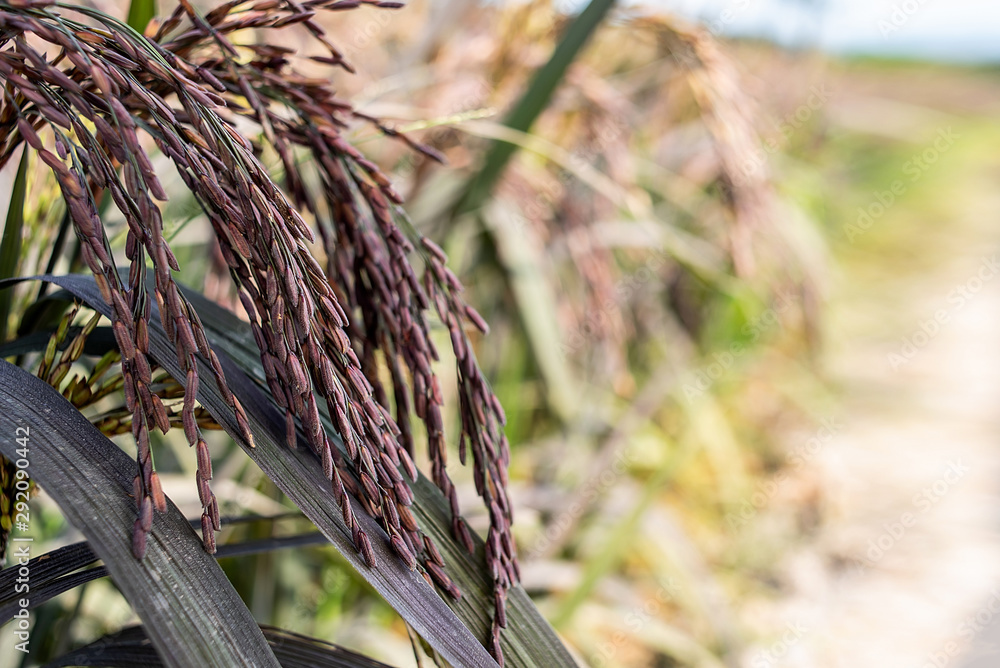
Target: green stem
x,y
533,103
10,244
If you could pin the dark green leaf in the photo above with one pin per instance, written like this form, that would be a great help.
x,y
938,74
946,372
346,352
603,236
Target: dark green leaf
x,y
140,13
297,474
528,641
101,340
534,102
53,572
193,613
10,244
130,648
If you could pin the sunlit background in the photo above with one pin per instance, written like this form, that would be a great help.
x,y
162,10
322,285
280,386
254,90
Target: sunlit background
x,y
742,278
959,31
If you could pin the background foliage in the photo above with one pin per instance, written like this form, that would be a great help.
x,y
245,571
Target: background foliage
x,y
654,261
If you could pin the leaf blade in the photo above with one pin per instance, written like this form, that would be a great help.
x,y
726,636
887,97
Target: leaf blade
x,y
194,615
129,648
56,572
10,244
533,102
140,13
296,473
529,639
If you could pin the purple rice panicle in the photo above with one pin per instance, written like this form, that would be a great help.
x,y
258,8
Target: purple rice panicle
x,y
323,334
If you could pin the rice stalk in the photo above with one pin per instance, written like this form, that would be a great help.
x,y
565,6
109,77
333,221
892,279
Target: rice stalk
x,y
95,99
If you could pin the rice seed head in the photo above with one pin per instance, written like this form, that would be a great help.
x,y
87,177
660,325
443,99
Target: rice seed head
x,y
365,548
146,514
204,459
207,533
138,540
399,546
156,491
316,330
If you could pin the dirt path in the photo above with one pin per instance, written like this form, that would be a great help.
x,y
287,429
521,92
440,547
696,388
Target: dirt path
x,y
905,570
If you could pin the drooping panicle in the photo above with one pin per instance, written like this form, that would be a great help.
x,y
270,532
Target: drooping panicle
x,y
329,335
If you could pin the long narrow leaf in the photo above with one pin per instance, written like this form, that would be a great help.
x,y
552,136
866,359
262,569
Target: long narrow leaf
x,y
140,13
53,572
46,568
194,616
298,475
10,244
534,101
101,340
511,253
41,594
529,639
130,648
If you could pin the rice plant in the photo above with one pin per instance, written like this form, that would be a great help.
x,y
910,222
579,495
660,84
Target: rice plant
x,y
337,289
320,336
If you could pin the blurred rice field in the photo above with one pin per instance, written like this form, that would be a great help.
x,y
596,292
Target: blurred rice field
x,y
709,272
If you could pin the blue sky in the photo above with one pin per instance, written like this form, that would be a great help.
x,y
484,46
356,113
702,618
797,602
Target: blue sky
x,y
960,30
